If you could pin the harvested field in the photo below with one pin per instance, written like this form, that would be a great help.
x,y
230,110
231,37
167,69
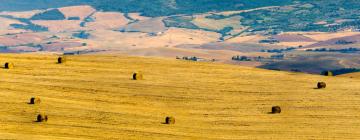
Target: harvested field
x,y
94,97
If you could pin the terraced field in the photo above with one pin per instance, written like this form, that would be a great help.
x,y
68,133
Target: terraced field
x,y
94,97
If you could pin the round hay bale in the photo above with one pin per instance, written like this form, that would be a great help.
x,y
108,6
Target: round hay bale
x,y
321,85
42,118
35,100
169,120
275,110
61,60
137,76
9,65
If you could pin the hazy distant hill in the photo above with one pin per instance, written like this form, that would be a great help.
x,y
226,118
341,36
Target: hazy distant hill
x,y
24,5
320,15
169,7
149,8
301,15
272,37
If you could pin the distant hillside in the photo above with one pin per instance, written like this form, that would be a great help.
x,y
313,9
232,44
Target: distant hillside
x,y
54,14
148,8
25,5
301,15
320,15
219,35
171,7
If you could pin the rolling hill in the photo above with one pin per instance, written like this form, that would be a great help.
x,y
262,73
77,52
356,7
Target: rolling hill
x,y
149,8
355,75
280,35
93,97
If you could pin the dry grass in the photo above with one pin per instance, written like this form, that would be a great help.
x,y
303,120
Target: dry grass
x,y
351,75
137,16
81,11
107,20
93,97
323,36
59,25
172,37
5,23
23,14
213,24
148,25
246,39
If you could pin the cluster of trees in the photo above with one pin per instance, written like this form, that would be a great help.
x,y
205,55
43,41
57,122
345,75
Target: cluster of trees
x,y
26,24
246,58
258,58
53,14
304,18
32,27
344,42
73,18
278,56
180,22
171,7
353,24
299,18
81,34
279,50
146,7
339,71
345,50
269,41
190,58
240,58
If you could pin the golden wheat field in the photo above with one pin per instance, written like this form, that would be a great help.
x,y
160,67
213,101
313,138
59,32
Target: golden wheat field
x,y
351,75
94,97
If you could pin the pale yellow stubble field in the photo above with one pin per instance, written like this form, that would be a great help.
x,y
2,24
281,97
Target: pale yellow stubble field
x,y
94,97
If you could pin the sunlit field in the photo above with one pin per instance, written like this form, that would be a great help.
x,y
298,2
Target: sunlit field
x,y
94,97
